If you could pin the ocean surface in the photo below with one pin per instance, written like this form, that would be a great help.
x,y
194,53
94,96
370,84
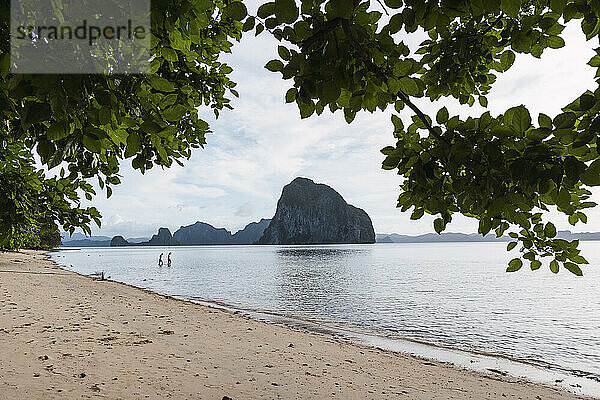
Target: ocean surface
x,y
455,296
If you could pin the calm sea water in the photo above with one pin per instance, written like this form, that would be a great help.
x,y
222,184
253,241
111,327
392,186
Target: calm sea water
x,y
455,295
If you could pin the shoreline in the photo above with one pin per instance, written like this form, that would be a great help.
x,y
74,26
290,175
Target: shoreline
x,y
471,360
534,370
179,348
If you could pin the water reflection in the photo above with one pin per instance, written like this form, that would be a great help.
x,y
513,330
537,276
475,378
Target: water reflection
x,y
313,280
319,253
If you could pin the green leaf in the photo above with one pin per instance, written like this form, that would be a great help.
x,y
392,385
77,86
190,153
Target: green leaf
x,y
578,259
591,176
535,265
555,42
92,143
4,64
511,246
393,3
169,54
274,65
134,145
175,113
161,84
286,11
408,86
249,24
573,219
442,116
339,9
439,225
306,108
550,230
573,268
168,100
545,121
417,213
519,119
587,101
514,265
37,112
483,101
558,6
118,136
284,53
104,115
554,266
236,11
149,127
266,10
45,149
563,199
403,67
290,96
565,120
58,130
511,7
398,124
394,26
507,59
594,62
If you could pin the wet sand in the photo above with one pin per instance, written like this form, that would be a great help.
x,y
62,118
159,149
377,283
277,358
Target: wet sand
x,y
67,336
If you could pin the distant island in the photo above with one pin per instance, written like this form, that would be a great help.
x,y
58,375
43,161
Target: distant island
x,y
307,213
434,238
473,237
198,234
80,240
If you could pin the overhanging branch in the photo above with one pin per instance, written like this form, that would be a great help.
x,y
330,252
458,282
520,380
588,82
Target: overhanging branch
x,y
373,68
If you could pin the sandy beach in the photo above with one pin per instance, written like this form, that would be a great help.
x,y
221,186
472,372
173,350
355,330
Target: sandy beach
x,y
66,336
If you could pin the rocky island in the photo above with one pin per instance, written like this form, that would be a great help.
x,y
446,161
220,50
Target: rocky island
x,y
202,233
307,213
162,238
314,213
198,234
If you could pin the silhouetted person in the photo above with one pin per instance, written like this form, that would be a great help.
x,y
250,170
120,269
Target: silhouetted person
x,y
160,261
169,259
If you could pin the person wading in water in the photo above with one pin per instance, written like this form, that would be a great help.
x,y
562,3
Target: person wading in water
x,y
169,259
160,261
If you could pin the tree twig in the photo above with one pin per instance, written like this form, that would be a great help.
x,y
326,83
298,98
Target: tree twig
x,y
384,9
326,28
373,68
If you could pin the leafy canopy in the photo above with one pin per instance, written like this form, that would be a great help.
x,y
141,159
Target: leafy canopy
x,y
506,171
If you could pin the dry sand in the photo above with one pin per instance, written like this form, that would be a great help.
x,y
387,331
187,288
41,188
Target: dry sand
x,y
67,336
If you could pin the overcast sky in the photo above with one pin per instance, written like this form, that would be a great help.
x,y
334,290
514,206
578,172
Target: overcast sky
x,y
263,144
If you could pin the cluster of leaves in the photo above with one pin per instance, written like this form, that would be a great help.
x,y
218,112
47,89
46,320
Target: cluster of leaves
x,y
44,236
31,202
90,123
504,171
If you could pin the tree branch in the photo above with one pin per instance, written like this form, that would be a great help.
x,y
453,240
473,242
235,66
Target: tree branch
x,y
373,68
326,28
384,9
